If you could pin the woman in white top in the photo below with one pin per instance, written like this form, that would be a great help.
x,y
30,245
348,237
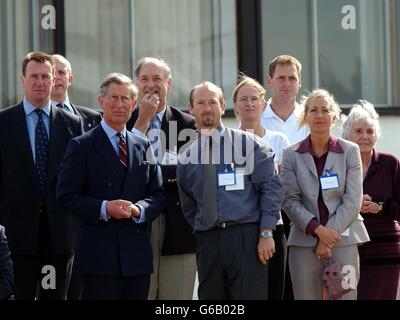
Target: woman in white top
x,y
249,104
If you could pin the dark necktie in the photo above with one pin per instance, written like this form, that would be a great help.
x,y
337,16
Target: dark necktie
x,y
41,153
209,188
154,134
60,105
123,150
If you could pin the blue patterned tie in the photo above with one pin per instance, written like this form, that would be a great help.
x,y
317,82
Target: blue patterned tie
x,y
153,135
41,152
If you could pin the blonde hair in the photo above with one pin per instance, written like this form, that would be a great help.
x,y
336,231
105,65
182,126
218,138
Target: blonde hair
x,y
318,93
244,80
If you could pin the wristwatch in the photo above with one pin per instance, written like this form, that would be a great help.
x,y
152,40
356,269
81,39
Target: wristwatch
x,y
266,234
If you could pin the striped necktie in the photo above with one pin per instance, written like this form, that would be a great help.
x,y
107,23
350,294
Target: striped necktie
x,y
123,150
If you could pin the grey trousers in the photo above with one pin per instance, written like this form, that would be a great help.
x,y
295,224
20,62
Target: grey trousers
x,y
306,271
228,264
174,275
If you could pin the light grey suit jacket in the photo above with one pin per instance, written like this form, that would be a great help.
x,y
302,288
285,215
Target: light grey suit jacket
x,y
301,188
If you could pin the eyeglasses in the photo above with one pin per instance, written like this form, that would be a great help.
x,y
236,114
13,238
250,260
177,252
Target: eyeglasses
x,y
250,100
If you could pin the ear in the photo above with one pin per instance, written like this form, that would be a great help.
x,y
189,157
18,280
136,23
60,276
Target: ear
x,y
101,100
22,80
169,84
269,80
190,108
134,104
223,107
70,79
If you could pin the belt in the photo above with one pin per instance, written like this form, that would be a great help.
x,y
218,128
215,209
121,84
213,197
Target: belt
x,y
226,224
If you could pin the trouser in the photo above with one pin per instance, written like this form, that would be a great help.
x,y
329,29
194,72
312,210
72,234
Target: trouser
x,y
174,275
277,266
306,271
228,264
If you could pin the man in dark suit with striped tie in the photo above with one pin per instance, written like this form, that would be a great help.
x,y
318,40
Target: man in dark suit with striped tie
x,y
33,139
110,180
59,94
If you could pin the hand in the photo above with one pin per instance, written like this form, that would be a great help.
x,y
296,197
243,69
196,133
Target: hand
x,y
119,209
328,236
368,206
266,249
134,210
147,110
322,251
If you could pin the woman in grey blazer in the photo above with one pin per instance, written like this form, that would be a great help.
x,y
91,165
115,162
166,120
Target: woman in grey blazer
x,y
322,179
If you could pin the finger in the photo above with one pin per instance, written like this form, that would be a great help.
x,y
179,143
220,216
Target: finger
x,y
262,259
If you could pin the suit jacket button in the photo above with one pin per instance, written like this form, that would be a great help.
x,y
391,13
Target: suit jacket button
x,y
178,203
109,184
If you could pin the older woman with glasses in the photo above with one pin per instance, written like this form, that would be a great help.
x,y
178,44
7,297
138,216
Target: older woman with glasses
x,y
380,258
322,181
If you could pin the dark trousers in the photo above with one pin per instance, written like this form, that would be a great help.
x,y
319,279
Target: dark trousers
x,y
31,283
75,285
277,266
228,264
115,288
31,276
288,290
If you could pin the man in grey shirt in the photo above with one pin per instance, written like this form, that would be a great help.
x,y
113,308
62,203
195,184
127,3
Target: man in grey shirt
x,y
231,196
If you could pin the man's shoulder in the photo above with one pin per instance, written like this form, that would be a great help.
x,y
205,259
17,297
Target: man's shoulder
x,y
179,115
10,110
87,111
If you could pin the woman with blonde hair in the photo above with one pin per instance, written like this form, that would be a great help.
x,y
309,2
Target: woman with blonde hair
x,y
380,258
322,181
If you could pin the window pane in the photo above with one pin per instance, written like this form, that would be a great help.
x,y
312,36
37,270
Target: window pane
x,y
98,42
352,62
20,33
286,26
197,38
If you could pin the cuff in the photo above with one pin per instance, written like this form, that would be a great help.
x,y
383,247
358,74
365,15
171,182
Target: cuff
x,y
312,225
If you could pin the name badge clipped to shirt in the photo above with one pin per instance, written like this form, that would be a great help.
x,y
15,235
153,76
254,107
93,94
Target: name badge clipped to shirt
x,y
227,177
239,185
329,181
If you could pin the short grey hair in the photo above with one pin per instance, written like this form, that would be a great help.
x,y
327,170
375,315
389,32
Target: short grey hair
x,y
364,110
119,79
158,61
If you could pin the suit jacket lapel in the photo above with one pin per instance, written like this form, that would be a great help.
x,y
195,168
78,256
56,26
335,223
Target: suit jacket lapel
x,y
22,143
331,159
57,142
105,149
310,164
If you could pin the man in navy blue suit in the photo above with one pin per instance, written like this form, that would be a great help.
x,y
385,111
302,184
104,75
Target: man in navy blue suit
x,y
110,180
6,271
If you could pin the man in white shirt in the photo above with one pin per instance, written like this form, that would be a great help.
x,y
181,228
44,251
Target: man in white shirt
x,y
281,115
282,111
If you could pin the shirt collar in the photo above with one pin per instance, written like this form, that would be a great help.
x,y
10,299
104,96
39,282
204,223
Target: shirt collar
x,y
110,132
333,145
66,104
29,107
160,115
269,113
